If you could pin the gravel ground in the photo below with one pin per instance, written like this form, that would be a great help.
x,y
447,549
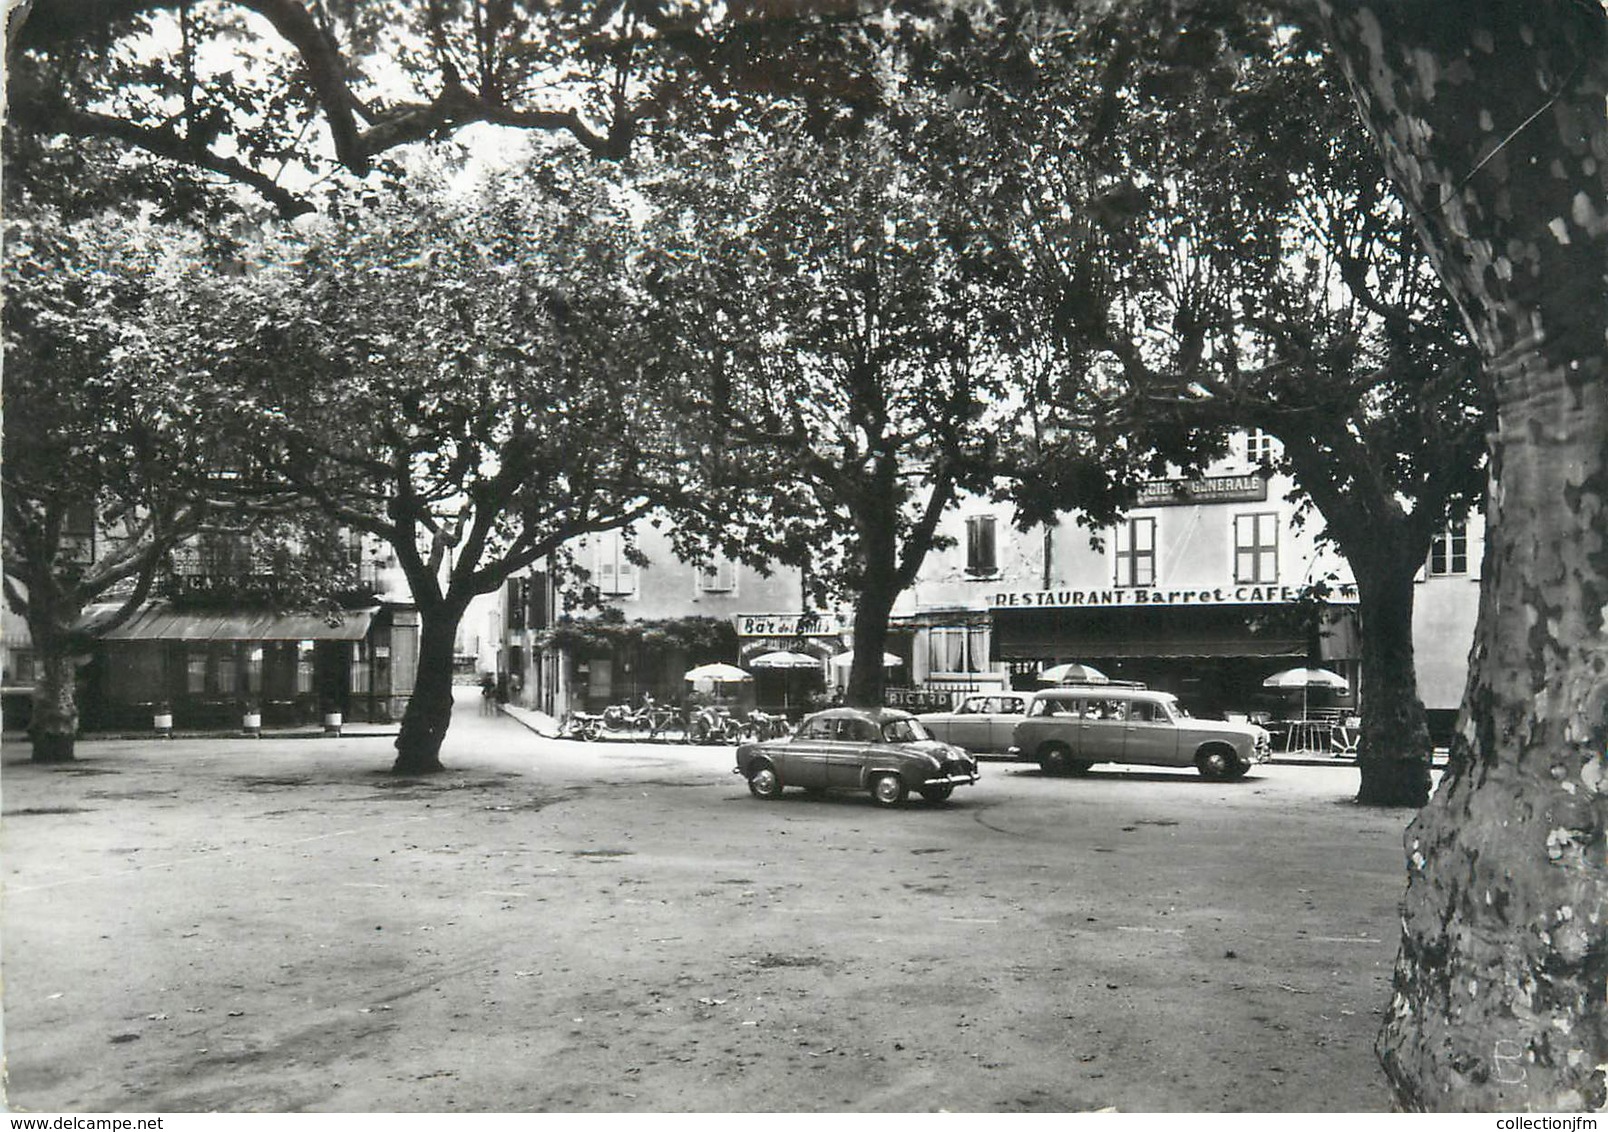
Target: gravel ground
x,y
281,925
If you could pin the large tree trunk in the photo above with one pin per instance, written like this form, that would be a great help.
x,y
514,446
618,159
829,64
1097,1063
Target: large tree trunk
x,y
429,711
1393,757
1492,118
54,726
868,679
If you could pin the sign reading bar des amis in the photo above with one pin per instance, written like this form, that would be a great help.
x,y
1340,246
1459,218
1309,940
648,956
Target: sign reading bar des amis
x,y
788,624
1208,489
1345,594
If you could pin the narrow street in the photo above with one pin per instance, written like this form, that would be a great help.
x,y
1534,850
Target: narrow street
x,y
281,925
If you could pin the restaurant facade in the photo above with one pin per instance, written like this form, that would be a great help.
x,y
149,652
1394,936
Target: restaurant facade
x,y
1207,588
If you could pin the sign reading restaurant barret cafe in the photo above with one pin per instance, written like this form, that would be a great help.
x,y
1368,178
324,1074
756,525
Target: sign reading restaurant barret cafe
x,y
787,624
1344,594
1207,489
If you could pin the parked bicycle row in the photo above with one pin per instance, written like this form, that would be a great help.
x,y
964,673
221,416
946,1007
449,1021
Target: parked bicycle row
x,y
692,723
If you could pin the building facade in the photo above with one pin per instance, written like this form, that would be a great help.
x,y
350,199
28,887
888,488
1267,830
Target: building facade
x,y
633,627
1207,588
213,644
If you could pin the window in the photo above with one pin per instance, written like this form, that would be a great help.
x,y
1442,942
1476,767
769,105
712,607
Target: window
x,y
820,729
195,670
1448,551
980,558
1256,547
304,668
957,650
616,574
1258,447
719,578
1136,553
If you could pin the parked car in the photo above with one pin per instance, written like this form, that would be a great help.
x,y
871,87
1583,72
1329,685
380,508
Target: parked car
x,y
1068,730
885,752
983,723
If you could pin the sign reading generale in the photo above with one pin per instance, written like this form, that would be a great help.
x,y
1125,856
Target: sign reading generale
x,y
1208,489
1215,595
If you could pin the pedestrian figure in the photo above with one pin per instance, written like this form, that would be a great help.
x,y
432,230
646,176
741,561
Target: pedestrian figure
x,y
488,694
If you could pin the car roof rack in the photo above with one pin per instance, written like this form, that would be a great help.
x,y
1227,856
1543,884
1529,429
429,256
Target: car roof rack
x,y
1096,685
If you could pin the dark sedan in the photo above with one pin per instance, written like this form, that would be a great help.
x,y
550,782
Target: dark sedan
x,y
885,752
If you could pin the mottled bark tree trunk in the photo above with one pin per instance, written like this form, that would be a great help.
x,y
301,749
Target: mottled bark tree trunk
x,y
1393,758
54,725
1491,115
429,712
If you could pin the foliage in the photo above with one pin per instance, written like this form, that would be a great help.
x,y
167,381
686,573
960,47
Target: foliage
x,y
274,95
698,637
1212,244
456,370
848,357
104,469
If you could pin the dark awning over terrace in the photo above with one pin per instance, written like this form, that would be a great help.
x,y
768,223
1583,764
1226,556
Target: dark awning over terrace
x,y
162,624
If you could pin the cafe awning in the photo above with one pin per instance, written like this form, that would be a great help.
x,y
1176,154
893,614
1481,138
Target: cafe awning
x,y
163,624
1128,631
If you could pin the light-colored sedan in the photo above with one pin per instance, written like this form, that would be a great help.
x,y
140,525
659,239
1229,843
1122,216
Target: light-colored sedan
x,y
983,723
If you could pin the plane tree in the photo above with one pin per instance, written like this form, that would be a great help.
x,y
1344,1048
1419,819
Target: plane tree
x,y
417,370
110,462
1493,121
1213,244
102,476
843,353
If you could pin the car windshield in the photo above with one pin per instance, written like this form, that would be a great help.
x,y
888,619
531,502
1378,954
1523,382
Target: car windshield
x,y
903,731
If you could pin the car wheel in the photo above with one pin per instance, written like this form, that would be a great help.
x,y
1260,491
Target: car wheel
x,y
764,783
888,789
1217,762
1055,758
936,794
1238,770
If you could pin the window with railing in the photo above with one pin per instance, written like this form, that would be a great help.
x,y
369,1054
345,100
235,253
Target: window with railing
x,y
615,574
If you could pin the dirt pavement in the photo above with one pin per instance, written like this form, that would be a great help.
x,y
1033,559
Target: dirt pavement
x,y
281,925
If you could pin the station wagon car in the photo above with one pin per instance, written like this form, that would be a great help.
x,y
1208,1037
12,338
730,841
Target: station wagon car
x,y
885,752
1068,730
982,723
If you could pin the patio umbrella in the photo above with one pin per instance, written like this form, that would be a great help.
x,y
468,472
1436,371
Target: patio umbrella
x,y
1304,680
717,674
1292,679
846,660
709,677
1073,673
784,660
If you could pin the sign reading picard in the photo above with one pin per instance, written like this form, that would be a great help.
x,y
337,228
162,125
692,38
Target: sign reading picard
x,y
788,624
1344,594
